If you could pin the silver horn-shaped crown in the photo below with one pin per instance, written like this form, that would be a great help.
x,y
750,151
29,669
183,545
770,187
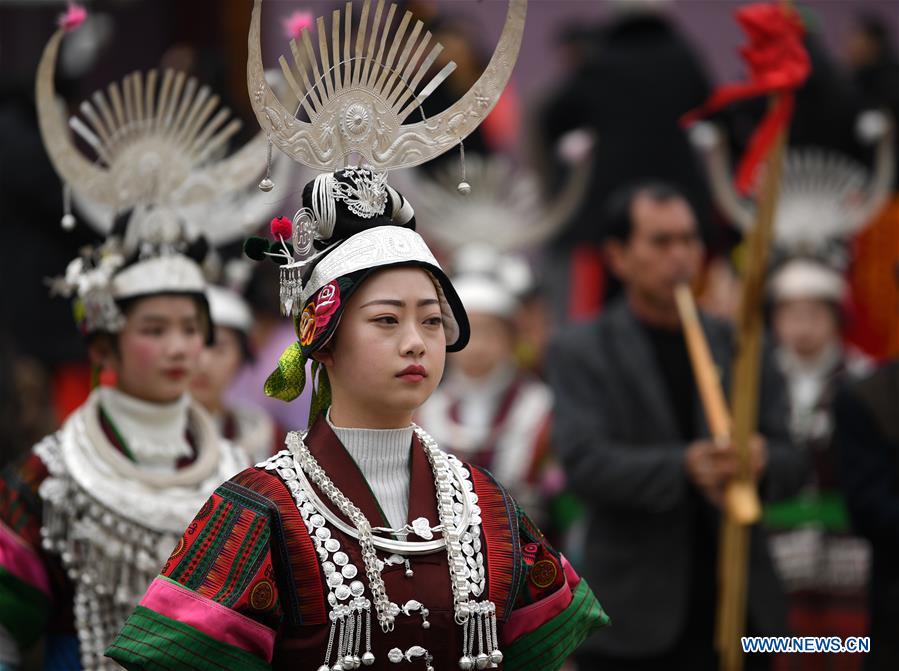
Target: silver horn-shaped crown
x,y
824,196
358,93
158,140
504,209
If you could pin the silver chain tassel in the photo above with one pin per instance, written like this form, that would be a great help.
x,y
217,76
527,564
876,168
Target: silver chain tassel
x,y
291,290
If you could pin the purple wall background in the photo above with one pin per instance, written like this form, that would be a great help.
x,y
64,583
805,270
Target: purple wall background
x,y
709,24
145,29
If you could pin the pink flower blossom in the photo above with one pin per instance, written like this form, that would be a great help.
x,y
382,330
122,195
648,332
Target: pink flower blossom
x,y
74,17
326,303
295,23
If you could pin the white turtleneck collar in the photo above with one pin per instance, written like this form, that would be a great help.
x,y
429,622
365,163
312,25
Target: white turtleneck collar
x,y
382,456
154,433
492,385
479,399
806,378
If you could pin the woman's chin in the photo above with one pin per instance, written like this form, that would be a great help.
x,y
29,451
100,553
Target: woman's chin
x,y
168,391
399,405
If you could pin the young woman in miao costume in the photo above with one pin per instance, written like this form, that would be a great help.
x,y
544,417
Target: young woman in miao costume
x,y
361,544
90,515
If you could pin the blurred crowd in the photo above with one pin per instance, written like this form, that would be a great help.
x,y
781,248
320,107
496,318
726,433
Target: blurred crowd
x,y
587,207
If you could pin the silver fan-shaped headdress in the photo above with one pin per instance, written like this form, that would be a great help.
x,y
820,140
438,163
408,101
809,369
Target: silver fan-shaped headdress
x,y
505,210
357,91
159,140
825,197
358,94
158,143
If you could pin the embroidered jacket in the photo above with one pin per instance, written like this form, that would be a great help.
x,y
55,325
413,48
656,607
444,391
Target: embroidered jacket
x,y
83,531
247,587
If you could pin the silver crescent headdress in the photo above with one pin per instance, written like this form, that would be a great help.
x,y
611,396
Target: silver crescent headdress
x,y
158,142
157,139
359,94
825,197
505,211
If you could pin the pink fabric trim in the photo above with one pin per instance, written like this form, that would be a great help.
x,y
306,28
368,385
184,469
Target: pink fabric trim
x,y
527,619
213,619
22,561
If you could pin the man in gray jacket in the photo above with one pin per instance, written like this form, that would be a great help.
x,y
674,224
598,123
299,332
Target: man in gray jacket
x,y
630,431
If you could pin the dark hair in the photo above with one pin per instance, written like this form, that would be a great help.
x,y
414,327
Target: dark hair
x,y
618,209
841,316
243,344
127,305
876,30
245,349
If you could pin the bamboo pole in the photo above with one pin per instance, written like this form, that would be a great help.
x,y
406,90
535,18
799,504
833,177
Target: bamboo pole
x,y
742,501
704,371
734,540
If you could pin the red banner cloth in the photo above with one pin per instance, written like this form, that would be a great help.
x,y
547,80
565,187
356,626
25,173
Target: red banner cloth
x,y
778,64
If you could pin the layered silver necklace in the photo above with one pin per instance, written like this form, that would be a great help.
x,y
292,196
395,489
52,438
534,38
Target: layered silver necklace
x,y
458,532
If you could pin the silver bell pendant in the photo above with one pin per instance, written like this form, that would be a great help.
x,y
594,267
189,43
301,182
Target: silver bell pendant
x,y
267,184
368,659
464,188
466,663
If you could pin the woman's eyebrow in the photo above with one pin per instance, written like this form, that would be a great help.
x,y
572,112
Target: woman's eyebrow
x,y
398,303
153,319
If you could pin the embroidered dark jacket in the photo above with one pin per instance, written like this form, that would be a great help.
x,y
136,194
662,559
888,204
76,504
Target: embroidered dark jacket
x,y
245,583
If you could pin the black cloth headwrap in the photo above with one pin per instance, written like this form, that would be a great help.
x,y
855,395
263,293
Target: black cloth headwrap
x,y
347,223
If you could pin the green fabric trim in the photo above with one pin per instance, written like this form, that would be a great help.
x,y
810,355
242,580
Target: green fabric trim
x,y
547,647
152,642
24,609
824,510
117,435
204,550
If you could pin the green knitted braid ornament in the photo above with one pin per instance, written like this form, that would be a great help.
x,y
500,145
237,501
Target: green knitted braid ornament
x,y
289,378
